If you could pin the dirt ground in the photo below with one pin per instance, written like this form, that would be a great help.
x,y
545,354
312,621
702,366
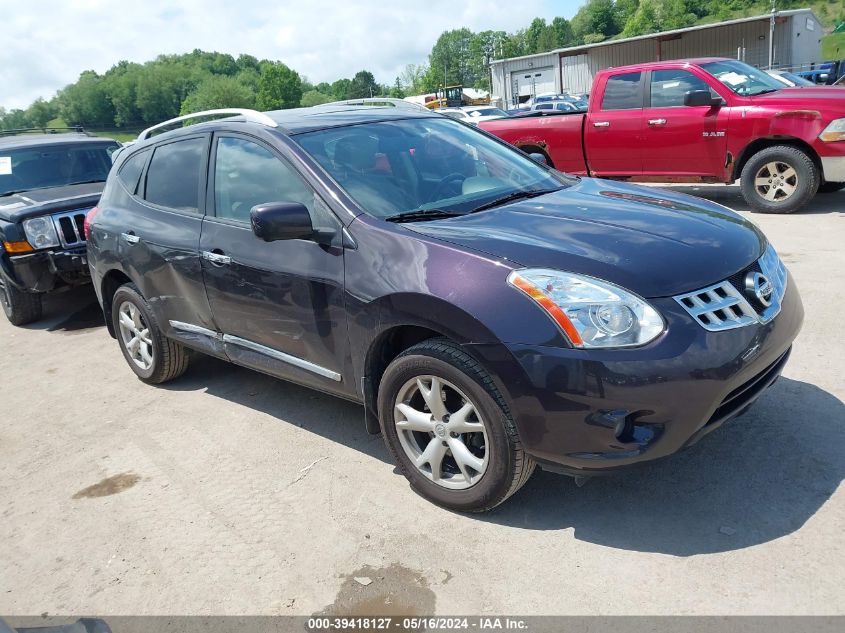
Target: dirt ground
x,y
229,492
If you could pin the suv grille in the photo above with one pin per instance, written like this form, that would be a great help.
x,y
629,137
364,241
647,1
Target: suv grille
x,y
71,227
727,305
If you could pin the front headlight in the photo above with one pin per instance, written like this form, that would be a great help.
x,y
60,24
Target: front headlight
x,y
40,232
592,313
835,131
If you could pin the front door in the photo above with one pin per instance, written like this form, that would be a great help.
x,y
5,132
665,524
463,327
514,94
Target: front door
x,y
279,305
613,131
682,141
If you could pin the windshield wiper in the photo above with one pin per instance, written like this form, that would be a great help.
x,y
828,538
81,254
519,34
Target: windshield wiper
x,y
12,192
765,92
511,197
84,182
421,214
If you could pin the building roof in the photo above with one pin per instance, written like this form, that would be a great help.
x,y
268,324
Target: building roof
x,y
658,35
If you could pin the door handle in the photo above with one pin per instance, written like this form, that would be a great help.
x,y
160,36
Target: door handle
x,y
130,238
657,121
216,258
601,124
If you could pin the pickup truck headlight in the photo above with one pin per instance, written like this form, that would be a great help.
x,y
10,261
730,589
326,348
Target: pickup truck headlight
x,y
40,232
835,131
592,313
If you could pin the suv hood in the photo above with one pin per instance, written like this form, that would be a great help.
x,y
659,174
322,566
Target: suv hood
x,y
651,241
27,204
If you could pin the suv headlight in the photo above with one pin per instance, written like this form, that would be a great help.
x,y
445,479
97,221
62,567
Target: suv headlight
x,y
592,313
40,232
835,131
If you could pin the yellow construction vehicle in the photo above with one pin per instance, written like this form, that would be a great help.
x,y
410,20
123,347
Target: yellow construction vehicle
x,y
453,97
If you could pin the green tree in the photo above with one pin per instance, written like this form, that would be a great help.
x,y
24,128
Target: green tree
x,y
279,87
449,60
413,78
41,112
363,84
13,119
623,11
562,32
396,91
218,91
596,17
162,87
314,97
86,102
340,89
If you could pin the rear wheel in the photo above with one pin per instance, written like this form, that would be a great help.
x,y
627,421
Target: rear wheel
x,y
831,187
779,179
19,307
449,429
152,356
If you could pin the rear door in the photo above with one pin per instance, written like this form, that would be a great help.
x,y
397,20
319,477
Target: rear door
x,y
682,141
157,217
613,130
278,304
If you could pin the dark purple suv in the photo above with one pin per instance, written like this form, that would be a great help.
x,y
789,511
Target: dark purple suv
x,y
490,313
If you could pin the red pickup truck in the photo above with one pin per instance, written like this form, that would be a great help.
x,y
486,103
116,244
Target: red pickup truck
x,y
699,120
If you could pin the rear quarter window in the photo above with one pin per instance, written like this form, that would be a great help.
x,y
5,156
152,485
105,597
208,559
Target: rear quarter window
x,y
173,176
130,171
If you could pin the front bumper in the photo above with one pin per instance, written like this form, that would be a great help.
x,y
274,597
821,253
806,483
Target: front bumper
x,y
833,168
46,270
585,411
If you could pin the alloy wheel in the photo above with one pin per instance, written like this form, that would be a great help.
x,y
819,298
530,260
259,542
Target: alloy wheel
x,y
776,181
135,334
441,432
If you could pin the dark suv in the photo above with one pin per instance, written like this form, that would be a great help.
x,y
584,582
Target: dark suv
x,y
489,312
48,182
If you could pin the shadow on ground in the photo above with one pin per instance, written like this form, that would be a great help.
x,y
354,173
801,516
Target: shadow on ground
x,y
757,479
73,310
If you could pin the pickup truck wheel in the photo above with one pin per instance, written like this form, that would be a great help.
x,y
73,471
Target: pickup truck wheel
x,y
20,307
449,429
779,179
831,187
152,356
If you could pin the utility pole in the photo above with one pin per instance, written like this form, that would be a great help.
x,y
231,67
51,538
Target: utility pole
x,y
772,35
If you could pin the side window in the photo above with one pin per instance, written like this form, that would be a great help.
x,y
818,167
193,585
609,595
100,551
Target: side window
x,y
668,87
173,176
544,106
130,171
623,92
247,174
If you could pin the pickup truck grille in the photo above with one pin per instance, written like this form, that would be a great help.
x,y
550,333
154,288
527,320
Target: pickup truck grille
x,y
726,305
71,227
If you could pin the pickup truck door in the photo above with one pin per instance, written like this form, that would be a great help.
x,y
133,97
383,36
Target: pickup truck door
x,y
278,305
682,141
613,130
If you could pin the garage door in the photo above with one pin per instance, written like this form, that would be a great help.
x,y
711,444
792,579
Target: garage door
x,y
533,81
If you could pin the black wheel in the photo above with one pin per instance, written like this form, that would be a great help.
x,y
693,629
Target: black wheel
x,y
831,187
449,428
20,307
779,179
152,356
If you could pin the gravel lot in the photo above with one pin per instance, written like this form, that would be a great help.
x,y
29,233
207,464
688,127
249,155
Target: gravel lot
x,y
228,492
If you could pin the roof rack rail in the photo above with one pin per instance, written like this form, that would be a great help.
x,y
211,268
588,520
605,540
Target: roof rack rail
x,y
250,115
388,102
44,130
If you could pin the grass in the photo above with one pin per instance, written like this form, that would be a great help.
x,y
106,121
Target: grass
x,y
833,46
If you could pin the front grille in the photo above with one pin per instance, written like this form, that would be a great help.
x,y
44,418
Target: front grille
x,y
744,395
725,306
71,227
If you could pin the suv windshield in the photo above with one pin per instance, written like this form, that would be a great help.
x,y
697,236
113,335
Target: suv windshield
x,y
53,166
741,78
407,166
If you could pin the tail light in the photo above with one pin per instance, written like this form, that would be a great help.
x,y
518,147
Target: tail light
x,y
89,217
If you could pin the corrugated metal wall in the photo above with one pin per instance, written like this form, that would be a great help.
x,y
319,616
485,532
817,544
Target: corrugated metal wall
x,y
578,68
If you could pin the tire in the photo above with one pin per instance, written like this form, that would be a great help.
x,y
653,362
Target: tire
x,y
831,187
20,307
155,359
493,465
793,175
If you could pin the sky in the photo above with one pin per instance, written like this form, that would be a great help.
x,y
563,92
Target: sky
x,y
47,43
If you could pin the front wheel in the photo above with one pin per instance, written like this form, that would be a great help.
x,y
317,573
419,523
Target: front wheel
x,y
449,429
19,307
152,356
779,179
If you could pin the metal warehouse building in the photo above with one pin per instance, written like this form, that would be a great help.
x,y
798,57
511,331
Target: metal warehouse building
x,y
797,44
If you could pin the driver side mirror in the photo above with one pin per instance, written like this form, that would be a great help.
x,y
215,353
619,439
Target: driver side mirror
x,y
702,98
274,221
